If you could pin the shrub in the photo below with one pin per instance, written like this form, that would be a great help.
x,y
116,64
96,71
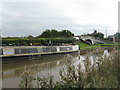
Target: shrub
x,y
102,73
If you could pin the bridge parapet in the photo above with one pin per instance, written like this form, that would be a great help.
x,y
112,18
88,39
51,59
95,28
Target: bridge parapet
x,y
91,39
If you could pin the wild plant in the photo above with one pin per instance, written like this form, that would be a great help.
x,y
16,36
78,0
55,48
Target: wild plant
x,y
102,72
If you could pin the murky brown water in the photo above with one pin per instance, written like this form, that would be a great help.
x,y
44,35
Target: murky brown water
x,y
39,66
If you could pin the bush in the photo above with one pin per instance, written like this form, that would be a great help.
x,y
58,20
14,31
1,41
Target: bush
x,y
42,41
102,73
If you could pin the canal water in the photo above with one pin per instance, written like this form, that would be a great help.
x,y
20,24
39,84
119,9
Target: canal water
x,y
39,66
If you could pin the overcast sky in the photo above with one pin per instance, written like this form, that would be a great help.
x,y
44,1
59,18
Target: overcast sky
x,y
23,18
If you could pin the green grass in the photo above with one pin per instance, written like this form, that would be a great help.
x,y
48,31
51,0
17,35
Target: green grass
x,y
90,47
84,46
109,44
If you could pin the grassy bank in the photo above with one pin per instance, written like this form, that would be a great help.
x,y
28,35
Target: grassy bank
x,y
84,46
109,44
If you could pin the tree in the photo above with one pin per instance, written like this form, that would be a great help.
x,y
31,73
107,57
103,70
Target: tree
x,y
45,33
30,37
54,33
66,33
117,36
97,34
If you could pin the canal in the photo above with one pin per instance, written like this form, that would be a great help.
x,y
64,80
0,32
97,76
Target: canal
x,y
38,66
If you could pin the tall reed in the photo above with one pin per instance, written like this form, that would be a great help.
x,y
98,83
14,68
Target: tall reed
x,y
103,72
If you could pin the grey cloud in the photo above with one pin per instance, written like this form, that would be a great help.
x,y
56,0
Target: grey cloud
x,y
20,19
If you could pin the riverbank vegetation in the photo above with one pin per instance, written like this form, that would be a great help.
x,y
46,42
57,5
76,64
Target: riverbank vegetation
x,y
84,46
96,34
46,37
35,41
109,44
102,72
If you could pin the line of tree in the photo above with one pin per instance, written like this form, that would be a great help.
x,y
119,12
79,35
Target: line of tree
x,y
48,36
97,34
54,33
37,41
117,37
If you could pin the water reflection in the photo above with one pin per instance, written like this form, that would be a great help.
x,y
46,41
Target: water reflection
x,y
40,66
